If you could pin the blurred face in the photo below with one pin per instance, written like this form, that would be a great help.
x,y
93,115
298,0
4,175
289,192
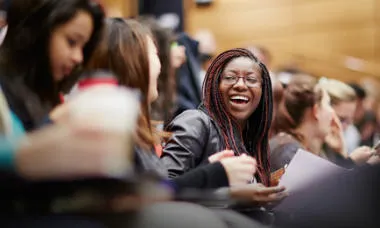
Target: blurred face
x,y
324,115
241,87
359,112
66,44
345,111
177,56
154,70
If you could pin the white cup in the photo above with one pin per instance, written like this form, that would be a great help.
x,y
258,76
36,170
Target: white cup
x,y
114,111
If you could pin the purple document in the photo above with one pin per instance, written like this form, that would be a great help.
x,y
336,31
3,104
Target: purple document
x,y
304,170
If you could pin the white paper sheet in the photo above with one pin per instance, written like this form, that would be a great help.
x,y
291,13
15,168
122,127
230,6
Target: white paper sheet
x,y
304,170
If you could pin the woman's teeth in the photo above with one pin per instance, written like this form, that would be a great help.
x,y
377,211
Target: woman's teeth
x,y
239,99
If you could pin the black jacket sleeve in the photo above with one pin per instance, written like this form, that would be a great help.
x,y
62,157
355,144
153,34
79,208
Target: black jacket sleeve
x,y
338,159
282,155
185,148
209,176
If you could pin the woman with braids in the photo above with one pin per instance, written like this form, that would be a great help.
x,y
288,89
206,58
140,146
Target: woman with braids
x,y
233,119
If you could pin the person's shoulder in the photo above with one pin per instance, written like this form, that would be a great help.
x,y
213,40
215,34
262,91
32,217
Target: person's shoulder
x,y
283,142
193,114
283,138
190,119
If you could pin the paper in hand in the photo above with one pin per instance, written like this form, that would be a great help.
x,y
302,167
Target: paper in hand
x,y
304,170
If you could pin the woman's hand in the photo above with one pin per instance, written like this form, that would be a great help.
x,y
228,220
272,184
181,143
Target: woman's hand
x,y
258,193
374,159
335,138
221,155
361,155
65,151
60,113
92,136
240,170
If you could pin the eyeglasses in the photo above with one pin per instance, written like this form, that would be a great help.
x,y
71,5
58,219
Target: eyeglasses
x,y
249,81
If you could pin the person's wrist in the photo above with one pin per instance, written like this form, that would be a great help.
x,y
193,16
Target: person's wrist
x,y
8,150
19,158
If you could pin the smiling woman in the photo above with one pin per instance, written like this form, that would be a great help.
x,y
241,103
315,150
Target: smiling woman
x,y
45,41
241,97
235,114
67,43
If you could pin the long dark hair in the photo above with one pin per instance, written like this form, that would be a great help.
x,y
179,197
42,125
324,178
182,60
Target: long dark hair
x,y
123,51
254,140
163,108
25,50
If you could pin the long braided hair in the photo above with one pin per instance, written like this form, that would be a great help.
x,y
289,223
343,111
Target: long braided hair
x,y
252,140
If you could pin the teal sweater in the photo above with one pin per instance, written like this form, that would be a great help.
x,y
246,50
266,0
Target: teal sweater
x,y
8,144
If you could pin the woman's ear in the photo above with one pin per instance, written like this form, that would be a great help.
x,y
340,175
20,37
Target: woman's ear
x,y
315,111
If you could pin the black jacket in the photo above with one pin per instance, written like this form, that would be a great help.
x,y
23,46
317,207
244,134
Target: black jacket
x,y
188,84
283,147
211,176
23,102
195,137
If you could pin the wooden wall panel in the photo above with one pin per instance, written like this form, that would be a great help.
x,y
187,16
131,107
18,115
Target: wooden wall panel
x,y
120,8
318,35
377,24
356,40
330,15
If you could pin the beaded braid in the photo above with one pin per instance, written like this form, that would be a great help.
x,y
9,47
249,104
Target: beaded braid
x,y
255,140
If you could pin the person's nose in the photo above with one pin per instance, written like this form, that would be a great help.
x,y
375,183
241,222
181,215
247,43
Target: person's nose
x,y
240,84
77,56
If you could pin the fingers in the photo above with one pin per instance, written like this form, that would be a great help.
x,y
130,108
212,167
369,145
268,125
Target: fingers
x,y
266,195
227,153
259,194
336,125
246,165
240,170
246,173
361,154
247,159
221,155
270,190
272,198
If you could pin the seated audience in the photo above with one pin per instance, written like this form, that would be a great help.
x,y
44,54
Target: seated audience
x,y
306,120
128,36
343,101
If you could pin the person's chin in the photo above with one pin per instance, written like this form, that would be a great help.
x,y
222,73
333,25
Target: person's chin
x,y
153,98
240,116
58,77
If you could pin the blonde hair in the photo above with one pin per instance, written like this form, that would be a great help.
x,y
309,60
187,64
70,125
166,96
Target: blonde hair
x,y
338,91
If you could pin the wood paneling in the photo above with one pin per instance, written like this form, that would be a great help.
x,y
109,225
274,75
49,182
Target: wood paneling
x,y
319,35
120,8
330,15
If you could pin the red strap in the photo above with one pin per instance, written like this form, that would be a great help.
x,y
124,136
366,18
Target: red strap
x,y
62,98
96,81
158,150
